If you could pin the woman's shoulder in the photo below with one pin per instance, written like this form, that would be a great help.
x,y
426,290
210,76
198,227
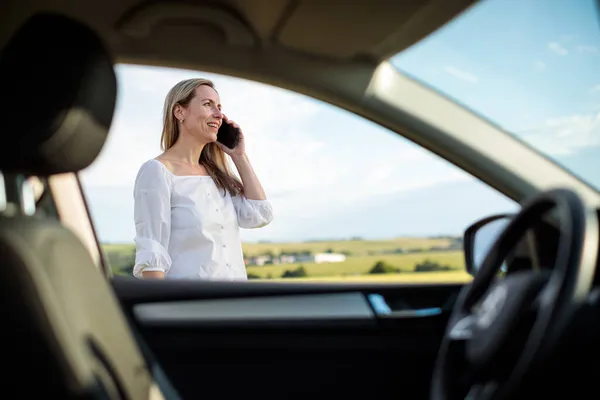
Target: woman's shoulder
x,y
156,165
152,170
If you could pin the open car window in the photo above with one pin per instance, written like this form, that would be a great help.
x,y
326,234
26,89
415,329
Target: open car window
x,y
352,201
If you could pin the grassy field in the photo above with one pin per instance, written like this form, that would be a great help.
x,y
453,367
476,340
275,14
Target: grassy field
x,y
457,276
354,247
361,265
364,254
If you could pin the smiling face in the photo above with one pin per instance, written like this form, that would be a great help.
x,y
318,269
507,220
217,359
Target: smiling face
x,y
201,117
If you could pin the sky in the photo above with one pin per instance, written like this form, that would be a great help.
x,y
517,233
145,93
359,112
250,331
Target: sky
x,y
530,66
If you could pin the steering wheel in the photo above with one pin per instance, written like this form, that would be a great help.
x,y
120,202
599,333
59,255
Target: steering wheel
x,y
501,329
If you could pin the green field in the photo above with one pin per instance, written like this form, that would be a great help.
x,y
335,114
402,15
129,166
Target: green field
x,y
414,277
354,247
361,265
362,256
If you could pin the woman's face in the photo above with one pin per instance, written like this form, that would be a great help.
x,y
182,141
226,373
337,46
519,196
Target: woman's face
x,y
202,117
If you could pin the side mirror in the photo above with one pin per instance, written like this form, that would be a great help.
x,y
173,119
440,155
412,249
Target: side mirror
x,y
479,238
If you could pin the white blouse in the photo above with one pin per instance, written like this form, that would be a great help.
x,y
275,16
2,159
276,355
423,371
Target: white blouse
x,y
187,228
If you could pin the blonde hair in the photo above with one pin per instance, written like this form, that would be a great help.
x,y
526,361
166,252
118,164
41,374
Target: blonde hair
x,y
212,157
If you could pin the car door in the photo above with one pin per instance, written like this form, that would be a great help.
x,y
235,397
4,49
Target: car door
x,y
285,340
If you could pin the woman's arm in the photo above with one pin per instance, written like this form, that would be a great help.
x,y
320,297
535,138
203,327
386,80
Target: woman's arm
x,y
152,215
252,187
253,190
153,274
252,208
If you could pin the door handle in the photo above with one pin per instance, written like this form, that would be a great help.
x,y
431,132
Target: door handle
x,y
383,310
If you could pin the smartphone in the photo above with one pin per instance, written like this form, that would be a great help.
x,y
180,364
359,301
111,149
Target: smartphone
x,y
228,135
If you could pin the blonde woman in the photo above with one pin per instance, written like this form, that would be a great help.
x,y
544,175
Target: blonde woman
x,y
188,205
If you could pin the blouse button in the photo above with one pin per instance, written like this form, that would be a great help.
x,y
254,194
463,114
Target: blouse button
x,y
224,245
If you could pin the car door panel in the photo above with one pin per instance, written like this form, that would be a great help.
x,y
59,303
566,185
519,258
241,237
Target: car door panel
x,y
287,340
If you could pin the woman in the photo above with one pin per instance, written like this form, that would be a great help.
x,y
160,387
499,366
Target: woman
x,y
188,205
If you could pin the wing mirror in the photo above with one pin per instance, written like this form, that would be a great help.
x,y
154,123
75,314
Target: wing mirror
x,y
479,237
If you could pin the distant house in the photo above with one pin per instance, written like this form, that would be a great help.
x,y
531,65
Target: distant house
x,y
305,258
286,259
321,258
258,260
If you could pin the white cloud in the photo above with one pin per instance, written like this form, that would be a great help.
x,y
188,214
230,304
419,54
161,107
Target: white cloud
x,y
565,135
585,48
595,89
539,65
558,48
460,74
566,44
566,38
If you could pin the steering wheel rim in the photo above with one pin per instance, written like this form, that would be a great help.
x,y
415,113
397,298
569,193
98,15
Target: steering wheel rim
x,y
554,297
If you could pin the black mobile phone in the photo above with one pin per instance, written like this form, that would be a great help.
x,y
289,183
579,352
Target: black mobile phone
x,y
228,135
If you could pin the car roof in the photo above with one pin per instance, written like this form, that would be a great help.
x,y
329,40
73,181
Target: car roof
x,y
370,29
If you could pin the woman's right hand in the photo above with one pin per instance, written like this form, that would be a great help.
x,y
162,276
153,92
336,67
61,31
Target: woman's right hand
x,y
153,274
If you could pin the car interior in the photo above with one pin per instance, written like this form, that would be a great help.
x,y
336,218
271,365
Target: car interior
x,y
521,328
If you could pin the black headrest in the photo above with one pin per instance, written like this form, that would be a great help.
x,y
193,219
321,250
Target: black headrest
x,y
57,94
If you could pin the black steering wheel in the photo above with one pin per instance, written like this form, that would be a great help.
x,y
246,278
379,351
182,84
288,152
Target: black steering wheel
x,y
501,329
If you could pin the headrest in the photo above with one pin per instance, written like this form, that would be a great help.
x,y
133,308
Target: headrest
x,y
58,92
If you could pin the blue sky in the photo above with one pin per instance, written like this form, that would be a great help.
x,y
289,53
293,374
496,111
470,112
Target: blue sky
x,y
529,68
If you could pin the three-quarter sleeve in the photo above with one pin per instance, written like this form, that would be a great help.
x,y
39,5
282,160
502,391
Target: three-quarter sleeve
x,y
152,215
252,213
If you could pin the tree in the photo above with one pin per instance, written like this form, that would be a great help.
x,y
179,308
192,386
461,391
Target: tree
x,y
299,272
381,267
430,266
